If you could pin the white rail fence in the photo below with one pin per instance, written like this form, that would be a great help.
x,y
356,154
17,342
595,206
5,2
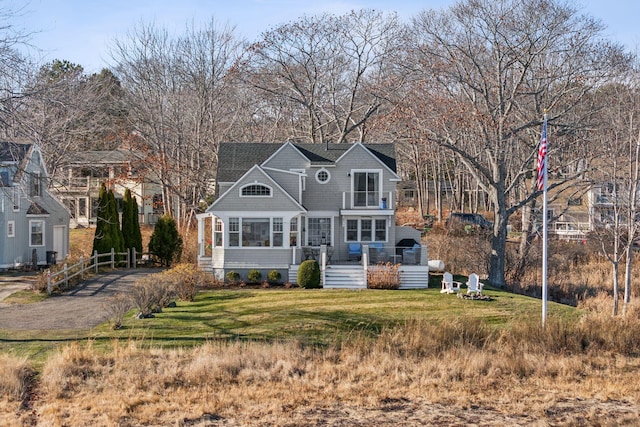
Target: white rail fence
x,y
111,259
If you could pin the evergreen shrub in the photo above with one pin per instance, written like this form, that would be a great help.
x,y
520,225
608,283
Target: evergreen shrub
x,y
309,274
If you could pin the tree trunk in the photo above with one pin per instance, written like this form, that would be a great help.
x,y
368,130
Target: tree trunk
x,y
499,240
615,289
627,279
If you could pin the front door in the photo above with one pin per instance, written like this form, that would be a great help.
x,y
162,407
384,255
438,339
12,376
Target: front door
x,y
59,241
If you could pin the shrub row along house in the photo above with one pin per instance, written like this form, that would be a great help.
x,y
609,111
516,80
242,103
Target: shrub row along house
x,y
33,223
279,204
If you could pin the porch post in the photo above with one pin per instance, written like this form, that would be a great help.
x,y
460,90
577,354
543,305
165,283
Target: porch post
x,y
200,236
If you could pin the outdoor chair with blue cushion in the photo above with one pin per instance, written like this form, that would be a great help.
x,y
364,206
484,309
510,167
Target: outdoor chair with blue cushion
x,y
411,256
377,253
355,251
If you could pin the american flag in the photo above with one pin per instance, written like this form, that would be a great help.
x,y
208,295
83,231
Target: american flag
x,y
542,155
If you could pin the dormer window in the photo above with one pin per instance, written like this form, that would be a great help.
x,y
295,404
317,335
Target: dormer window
x,y
255,190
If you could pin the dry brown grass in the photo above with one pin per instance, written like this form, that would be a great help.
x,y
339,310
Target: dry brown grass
x,y
447,374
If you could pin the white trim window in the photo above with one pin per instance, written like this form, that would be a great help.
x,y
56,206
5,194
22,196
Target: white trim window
x,y
256,232
217,233
323,176
11,229
256,190
277,232
234,231
319,231
36,233
366,230
293,232
366,188
36,184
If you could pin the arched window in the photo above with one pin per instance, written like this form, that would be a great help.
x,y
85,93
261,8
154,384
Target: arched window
x,y
255,190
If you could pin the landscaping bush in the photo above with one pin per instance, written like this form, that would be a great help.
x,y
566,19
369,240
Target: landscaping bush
x,y
150,294
309,274
117,307
254,276
274,276
141,297
232,276
184,279
384,276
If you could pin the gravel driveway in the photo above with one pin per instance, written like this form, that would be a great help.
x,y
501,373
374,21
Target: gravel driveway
x,y
80,308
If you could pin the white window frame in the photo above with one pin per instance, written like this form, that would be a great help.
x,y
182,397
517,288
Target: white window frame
x,y
258,184
374,222
328,238
236,222
323,170
293,232
11,228
218,234
353,188
277,228
42,225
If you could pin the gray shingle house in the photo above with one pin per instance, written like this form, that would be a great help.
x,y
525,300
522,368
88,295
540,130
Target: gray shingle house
x,y
279,204
32,221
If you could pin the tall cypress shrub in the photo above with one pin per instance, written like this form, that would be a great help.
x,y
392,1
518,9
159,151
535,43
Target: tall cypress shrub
x,y
114,224
108,234
102,240
130,223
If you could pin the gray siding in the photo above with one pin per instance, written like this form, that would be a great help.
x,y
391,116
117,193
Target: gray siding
x,y
247,258
329,196
16,250
286,159
231,201
290,182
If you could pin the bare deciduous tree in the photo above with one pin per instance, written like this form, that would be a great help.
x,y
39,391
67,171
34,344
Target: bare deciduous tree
x,y
331,73
177,89
495,66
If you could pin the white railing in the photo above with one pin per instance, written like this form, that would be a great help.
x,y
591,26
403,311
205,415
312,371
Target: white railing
x,y
570,230
347,202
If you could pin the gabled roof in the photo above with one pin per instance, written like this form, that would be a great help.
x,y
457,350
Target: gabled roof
x,y
101,157
266,176
234,159
36,209
13,151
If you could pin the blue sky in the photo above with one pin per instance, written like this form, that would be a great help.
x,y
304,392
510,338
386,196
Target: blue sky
x,y
81,31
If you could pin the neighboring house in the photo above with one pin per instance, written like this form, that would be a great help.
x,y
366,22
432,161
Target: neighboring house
x,y
33,223
574,213
278,204
77,184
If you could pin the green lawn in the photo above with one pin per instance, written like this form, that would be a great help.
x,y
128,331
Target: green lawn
x,y
312,317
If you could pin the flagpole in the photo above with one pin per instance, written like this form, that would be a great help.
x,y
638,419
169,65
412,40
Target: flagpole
x,y
545,221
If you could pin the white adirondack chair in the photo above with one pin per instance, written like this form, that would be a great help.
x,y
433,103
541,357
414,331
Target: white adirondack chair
x,y
449,286
474,285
